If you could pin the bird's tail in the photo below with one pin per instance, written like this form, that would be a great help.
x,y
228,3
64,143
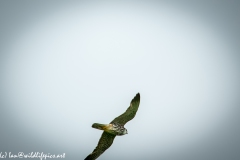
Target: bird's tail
x,y
100,126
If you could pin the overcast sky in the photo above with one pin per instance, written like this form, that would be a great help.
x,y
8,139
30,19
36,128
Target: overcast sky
x,y
67,64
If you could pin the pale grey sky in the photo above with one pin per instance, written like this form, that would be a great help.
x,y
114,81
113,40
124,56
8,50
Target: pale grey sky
x,y
68,64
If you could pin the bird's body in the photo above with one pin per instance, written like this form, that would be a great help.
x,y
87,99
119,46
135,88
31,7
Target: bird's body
x,y
114,128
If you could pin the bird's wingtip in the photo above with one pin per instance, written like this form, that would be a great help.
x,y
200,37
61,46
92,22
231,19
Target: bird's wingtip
x,y
137,97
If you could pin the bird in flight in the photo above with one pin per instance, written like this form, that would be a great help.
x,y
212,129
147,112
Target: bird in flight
x,y
115,128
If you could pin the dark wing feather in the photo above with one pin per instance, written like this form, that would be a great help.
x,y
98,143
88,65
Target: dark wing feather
x,y
104,143
130,113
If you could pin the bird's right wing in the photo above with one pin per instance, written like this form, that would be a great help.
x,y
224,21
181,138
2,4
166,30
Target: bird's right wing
x,y
104,143
130,113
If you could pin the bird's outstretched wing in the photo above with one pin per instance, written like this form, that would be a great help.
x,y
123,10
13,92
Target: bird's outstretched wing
x,y
104,143
130,113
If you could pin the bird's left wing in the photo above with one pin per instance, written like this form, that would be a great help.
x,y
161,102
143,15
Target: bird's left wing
x,y
130,113
104,143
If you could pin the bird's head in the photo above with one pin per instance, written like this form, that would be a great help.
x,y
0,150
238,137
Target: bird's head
x,y
124,131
